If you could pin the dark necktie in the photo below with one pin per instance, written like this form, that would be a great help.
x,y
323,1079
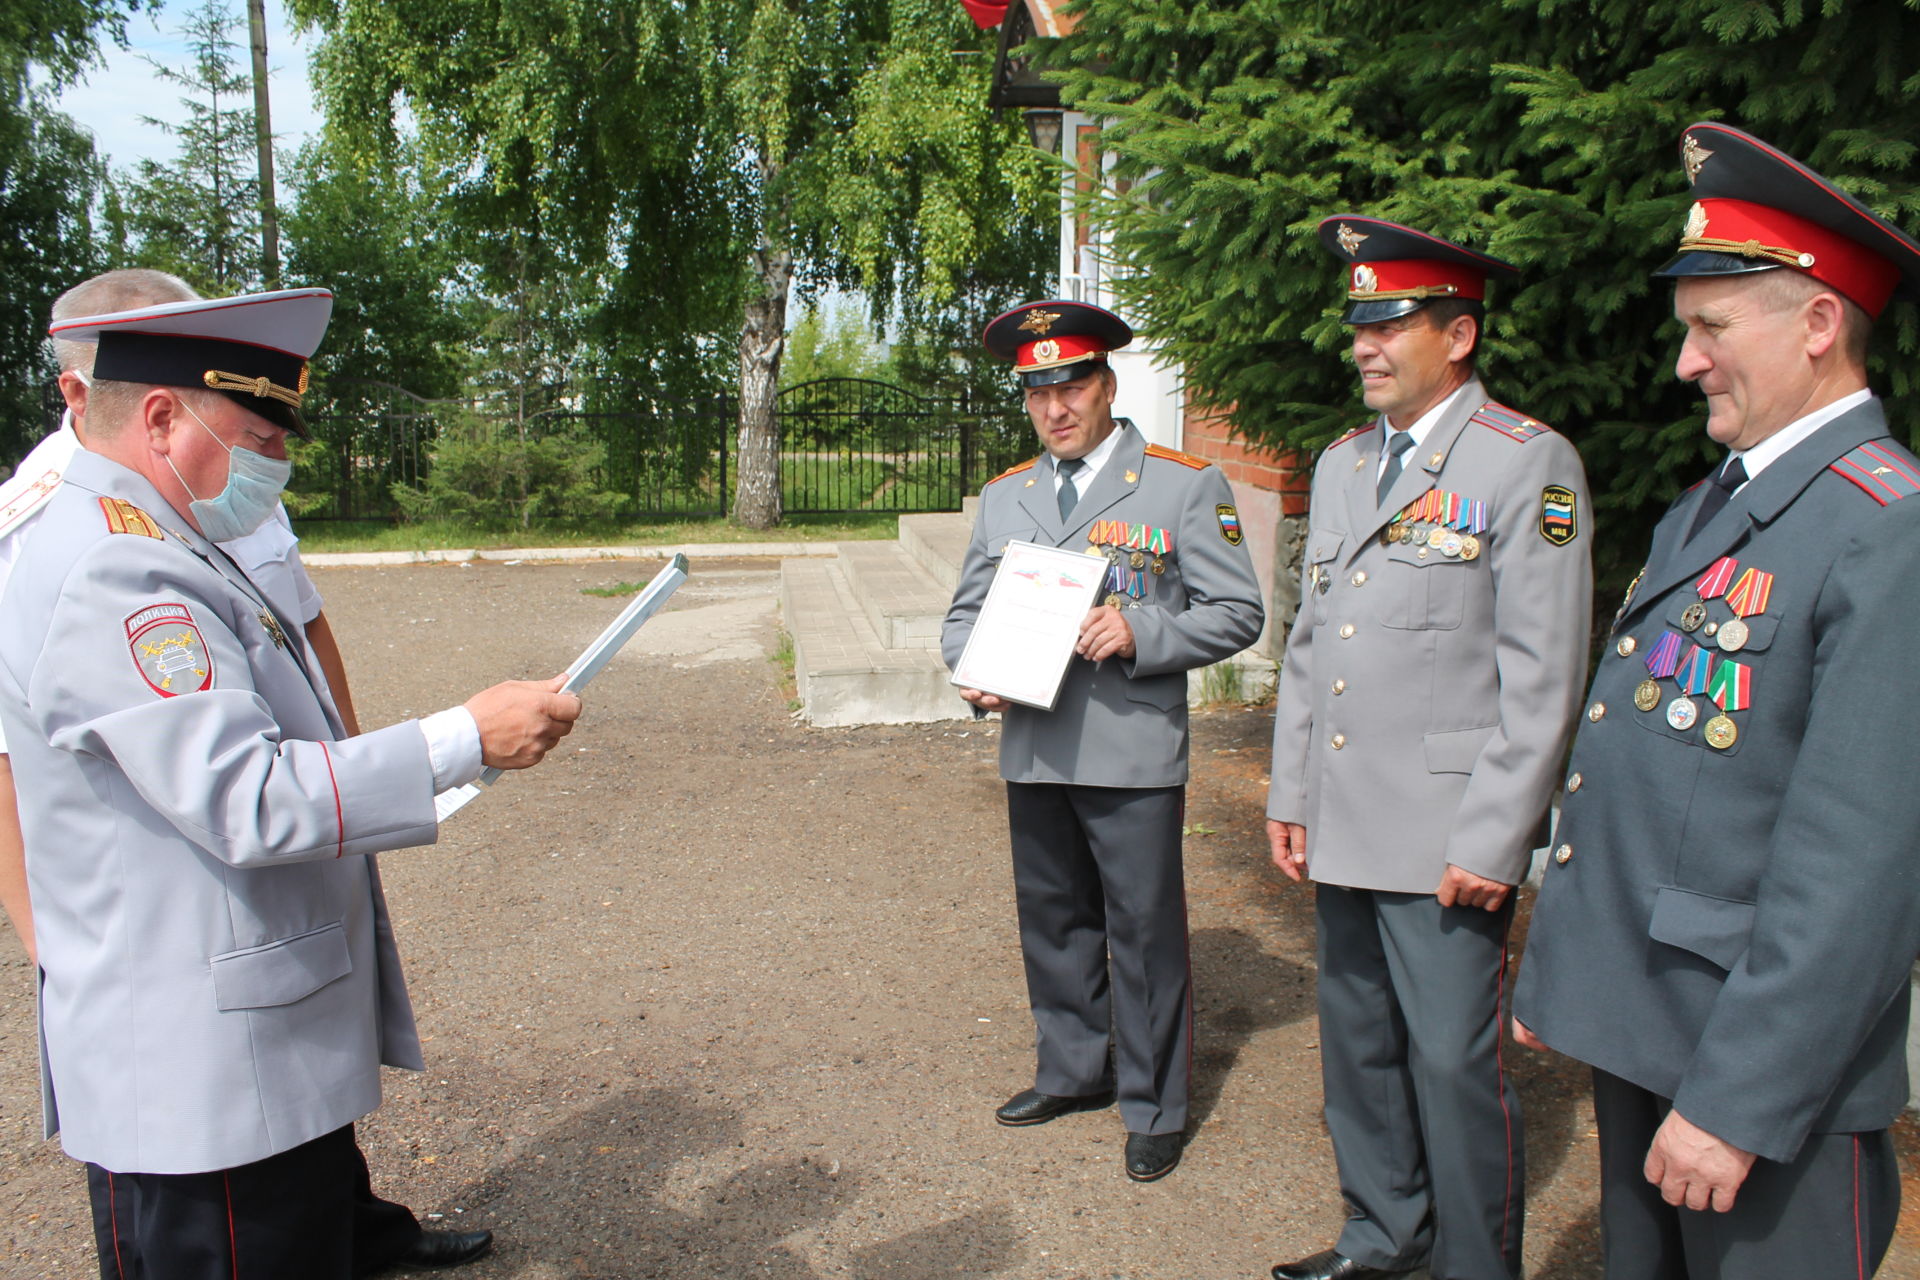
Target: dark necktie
x,y
1397,444
1725,481
1068,495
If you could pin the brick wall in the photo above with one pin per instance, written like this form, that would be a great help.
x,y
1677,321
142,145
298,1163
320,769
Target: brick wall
x,y
1286,473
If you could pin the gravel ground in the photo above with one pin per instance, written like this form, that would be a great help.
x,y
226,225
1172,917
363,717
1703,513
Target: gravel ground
x,y
714,994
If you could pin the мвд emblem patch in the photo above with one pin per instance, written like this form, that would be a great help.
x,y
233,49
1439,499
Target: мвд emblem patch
x,y
169,651
1229,522
1559,517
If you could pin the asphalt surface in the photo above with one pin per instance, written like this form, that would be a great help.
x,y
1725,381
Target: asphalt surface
x,y
715,994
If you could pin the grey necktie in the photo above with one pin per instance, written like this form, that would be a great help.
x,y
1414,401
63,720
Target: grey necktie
x,y
1069,495
1397,444
1724,482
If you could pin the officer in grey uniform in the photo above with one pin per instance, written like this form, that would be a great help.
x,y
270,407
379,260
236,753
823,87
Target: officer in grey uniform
x,y
1728,922
1428,691
220,983
1096,786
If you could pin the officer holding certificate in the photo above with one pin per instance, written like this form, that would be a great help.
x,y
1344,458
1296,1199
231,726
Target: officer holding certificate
x,y
1096,786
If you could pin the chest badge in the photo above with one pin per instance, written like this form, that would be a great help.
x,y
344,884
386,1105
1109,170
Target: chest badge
x,y
272,624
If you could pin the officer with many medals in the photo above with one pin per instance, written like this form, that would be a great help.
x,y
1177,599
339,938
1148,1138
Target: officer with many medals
x,y
1728,923
1429,687
1096,786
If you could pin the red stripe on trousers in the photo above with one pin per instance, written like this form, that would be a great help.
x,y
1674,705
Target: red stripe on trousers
x,y
1500,1073
113,1221
233,1245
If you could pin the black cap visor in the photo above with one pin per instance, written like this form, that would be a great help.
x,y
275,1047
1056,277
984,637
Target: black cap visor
x,y
1380,310
1063,372
1707,262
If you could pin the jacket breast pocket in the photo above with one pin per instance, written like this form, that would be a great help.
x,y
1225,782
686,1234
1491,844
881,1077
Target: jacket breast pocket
x,y
1715,929
1425,589
280,972
997,541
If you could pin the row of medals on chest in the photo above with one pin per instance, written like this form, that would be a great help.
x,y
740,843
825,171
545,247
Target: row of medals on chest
x,y
1119,561
1682,713
1448,542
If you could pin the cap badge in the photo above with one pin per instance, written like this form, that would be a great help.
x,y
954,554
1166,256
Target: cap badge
x,y
1039,321
1364,281
1045,349
1696,221
1350,240
1694,157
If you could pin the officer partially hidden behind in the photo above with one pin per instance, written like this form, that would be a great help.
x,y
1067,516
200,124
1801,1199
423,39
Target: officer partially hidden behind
x,y
1728,923
220,982
1429,689
1096,786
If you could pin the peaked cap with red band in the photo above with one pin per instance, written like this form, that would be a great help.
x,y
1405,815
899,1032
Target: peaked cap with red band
x,y
1394,270
1758,209
1055,341
252,348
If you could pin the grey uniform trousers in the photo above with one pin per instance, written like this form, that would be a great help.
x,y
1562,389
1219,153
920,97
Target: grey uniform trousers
x,y
1828,1213
1425,1123
1098,880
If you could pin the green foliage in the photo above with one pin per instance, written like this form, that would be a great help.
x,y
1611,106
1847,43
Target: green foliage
x,y
1544,131
487,473
198,215
832,342
616,590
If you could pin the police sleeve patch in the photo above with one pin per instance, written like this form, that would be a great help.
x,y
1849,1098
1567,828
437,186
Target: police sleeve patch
x,y
1229,523
1559,518
169,651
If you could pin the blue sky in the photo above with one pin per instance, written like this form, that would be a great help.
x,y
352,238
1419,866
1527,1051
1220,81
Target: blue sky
x,y
113,97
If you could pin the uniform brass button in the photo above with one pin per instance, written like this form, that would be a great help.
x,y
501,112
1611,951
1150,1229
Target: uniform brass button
x,y
1573,784
1436,459
1339,741
1360,578
1563,855
1597,712
1346,632
1339,686
1625,647
1421,554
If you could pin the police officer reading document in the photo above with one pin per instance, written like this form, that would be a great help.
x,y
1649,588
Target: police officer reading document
x,y
220,981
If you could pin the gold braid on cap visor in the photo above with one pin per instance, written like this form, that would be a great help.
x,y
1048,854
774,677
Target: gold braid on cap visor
x,y
1748,249
265,388
1395,295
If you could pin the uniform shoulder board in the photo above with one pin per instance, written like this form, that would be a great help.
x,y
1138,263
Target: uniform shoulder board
x,y
1510,423
123,517
1351,434
1014,471
1174,455
30,498
1884,471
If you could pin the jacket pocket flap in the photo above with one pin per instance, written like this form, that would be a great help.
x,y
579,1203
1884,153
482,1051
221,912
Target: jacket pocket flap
x,y
1324,544
1715,929
281,972
1162,692
1456,750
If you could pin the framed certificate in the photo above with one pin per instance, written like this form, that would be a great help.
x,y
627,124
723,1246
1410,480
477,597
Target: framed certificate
x,y
1023,639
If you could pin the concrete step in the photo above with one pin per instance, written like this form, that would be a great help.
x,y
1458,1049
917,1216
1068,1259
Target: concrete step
x,y
938,544
902,602
845,675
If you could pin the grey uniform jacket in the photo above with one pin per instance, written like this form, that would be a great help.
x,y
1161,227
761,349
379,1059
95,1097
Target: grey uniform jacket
x,y
1122,723
1733,927
220,977
1426,700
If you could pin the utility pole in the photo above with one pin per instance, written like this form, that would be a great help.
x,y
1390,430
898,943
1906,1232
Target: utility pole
x,y
263,138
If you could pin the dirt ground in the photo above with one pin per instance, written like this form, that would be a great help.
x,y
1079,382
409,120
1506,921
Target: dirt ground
x,y
714,994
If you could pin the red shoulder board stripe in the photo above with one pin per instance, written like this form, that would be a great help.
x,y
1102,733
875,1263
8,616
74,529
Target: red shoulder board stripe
x,y
1883,470
1359,430
1510,423
1014,471
123,517
1174,455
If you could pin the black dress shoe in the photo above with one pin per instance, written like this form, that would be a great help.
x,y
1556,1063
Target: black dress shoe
x,y
1153,1155
445,1248
1030,1106
1331,1264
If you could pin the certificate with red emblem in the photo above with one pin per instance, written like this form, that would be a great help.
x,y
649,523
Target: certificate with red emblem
x,y
1023,640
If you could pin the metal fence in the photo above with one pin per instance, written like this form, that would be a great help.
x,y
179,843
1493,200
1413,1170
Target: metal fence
x,y
846,445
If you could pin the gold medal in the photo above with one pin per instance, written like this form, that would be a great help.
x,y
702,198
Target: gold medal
x,y
1096,551
1159,564
1138,559
1721,733
1681,713
1695,614
1646,695
1114,600
1469,548
1733,635
1437,536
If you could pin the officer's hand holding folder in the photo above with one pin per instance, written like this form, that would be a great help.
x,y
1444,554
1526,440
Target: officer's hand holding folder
x,y
587,665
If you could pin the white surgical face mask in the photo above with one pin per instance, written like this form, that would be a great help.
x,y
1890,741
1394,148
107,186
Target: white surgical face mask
x,y
254,485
